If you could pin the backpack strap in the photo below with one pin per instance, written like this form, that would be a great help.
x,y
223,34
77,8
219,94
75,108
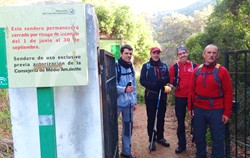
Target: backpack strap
x,y
193,65
132,71
216,78
207,98
198,72
118,70
162,66
119,73
176,74
163,70
148,67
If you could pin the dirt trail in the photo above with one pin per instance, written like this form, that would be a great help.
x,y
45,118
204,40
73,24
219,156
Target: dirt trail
x,y
140,139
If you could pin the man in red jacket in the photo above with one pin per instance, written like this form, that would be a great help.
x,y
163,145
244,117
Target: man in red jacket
x,y
180,75
210,102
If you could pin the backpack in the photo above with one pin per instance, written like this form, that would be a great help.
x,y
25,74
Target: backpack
x,y
216,78
118,69
148,67
176,73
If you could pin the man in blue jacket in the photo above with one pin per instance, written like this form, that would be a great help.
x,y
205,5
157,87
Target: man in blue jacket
x,y
154,75
126,93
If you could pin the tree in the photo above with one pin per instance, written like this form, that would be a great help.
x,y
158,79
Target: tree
x,y
228,27
176,28
118,21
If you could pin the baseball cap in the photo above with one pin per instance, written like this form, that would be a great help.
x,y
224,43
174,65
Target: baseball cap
x,y
154,49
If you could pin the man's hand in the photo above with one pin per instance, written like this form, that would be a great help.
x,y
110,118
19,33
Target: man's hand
x,y
225,119
170,85
191,114
129,89
134,107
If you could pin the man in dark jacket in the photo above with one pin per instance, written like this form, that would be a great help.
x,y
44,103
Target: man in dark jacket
x,y
154,75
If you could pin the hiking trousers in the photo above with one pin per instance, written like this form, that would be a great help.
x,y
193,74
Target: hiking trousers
x,y
151,111
213,119
127,127
180,113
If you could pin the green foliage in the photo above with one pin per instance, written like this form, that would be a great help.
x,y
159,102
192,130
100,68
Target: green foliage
x,y
139,91
143,43
176,28
195,48
124,24
5,122
228,27
243,110
171,99
106,20
208,137
3,94
118,21
198,5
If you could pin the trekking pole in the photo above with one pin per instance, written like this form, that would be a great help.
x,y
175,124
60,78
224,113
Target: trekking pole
x,y
130,126
154,129
130,118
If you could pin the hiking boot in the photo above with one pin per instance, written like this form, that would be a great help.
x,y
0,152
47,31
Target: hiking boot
x,y
163,142
179,150
153,148
127,156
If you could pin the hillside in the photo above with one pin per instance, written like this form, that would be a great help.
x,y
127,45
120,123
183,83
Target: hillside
x,y
199,5
189,10
156,18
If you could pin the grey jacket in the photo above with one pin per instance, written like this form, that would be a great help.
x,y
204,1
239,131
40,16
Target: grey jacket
x,y
125,99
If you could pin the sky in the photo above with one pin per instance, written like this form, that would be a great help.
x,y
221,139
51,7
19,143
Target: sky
x,y
151,6
138,6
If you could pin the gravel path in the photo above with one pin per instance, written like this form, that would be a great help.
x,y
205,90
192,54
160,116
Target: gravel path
x,y
140,139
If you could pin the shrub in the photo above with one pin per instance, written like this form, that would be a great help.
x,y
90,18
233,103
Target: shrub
x,y
140,91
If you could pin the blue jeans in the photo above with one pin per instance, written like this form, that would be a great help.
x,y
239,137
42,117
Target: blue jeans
x,y
127,127
180,113
213,118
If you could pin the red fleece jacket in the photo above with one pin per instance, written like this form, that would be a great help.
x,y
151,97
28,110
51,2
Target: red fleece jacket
x,y
185,73
211,89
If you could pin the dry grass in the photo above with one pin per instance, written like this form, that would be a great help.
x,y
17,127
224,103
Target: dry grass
x,y
6,143
6,148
